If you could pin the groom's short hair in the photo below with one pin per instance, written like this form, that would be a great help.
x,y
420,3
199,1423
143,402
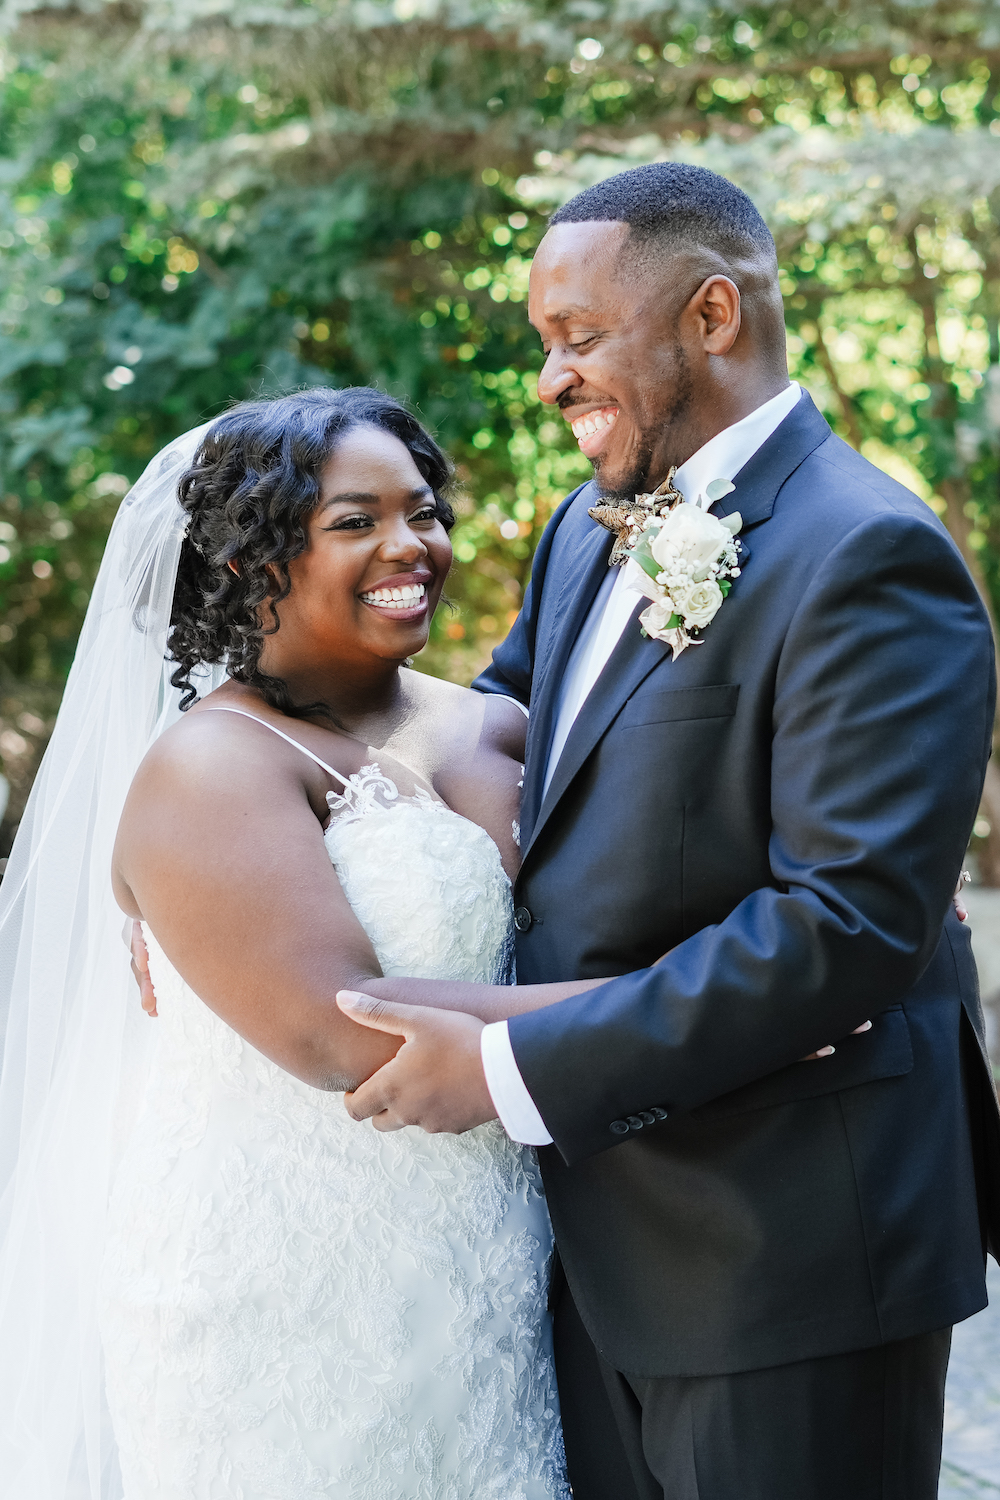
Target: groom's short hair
x,y
668,205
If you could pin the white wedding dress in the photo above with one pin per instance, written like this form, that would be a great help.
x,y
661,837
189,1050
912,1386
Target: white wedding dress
x,y
296,1307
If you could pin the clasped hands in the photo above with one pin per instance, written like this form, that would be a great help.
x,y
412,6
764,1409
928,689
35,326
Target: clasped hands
x,y
436,1079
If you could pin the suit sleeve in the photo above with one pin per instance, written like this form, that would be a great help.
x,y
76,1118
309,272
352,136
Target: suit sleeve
x,y
882,722
510,671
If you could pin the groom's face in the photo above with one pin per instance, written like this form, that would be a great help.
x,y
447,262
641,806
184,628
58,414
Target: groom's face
x,y
616,363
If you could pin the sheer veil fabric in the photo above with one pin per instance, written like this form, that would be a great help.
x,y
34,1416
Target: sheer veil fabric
x,y
74,1036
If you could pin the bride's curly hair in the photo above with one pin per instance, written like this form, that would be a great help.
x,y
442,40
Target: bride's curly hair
x,y
253,485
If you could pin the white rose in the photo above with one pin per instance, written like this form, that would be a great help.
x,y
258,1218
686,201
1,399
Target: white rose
x,y
694,535
699,604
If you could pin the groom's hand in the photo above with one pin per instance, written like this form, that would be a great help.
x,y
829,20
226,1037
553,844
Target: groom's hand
x,y
436,1078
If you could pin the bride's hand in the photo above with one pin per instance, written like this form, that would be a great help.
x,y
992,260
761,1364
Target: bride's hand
x,y
436,1078
961,910
961,913
140,968
829,1051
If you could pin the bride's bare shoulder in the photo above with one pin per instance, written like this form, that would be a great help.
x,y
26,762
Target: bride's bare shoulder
x,y
217,787
466,718
201,745
224,760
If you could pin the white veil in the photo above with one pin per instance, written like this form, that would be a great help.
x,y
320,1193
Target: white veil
x,y
75,1039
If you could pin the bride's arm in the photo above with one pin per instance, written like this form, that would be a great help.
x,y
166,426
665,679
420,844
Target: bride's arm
x,y
220,850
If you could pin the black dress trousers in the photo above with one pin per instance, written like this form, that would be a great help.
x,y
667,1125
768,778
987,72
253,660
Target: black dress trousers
x,y
859,1426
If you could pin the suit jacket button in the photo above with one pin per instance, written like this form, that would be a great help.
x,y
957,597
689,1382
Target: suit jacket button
x,y
634,1122
658,1112
618,1127
647,1117
522,919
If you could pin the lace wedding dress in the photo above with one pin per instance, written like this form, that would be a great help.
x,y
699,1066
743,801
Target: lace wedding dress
x,y
296,1307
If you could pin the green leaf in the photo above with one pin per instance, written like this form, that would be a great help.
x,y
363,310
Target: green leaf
x,y
716,488
644,557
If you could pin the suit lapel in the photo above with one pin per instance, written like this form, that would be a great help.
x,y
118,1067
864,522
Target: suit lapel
x,y
758,482
630,662
581,581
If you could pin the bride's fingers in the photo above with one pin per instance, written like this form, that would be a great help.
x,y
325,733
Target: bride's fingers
x,y
140,968
829,1051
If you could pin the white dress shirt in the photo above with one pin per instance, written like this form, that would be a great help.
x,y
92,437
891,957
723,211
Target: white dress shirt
x,y
722,457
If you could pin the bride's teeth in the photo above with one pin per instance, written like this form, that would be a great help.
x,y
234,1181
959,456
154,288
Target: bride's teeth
x,y
401,598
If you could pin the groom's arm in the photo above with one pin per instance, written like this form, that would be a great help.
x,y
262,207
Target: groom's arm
x,y
882,723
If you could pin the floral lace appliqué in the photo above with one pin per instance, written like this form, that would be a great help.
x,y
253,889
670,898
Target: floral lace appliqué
x,y
366,791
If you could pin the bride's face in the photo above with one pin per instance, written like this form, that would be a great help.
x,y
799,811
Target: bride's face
x,y
372,574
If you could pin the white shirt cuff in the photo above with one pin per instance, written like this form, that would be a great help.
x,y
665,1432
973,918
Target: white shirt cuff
x,y
516,1110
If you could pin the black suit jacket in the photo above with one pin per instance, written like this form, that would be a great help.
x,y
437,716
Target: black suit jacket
x,y
785,808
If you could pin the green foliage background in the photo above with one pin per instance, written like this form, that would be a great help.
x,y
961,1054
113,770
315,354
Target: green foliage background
x,y
201,201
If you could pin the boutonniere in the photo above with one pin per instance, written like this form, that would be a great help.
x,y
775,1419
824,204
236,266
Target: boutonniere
x,y
682,559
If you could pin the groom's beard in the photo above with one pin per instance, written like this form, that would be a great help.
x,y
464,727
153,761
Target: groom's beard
x,y
640,477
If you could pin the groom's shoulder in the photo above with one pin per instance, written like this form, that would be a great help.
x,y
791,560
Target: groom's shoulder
x,y
838,479
853,526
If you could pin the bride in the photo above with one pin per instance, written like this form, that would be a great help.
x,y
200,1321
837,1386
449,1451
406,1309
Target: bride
x,y
213,1283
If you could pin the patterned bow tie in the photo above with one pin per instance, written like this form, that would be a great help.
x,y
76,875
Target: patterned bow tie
x,y
617,517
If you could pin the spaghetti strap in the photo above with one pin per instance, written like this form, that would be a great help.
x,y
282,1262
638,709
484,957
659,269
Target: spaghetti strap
x,y
218,709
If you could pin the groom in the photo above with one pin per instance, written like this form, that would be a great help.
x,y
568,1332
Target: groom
x,y
759,835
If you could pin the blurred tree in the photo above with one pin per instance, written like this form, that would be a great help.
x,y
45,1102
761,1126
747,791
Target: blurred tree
x,y
202,200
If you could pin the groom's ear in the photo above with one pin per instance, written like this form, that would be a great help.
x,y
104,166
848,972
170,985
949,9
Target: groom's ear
x,y
716,303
